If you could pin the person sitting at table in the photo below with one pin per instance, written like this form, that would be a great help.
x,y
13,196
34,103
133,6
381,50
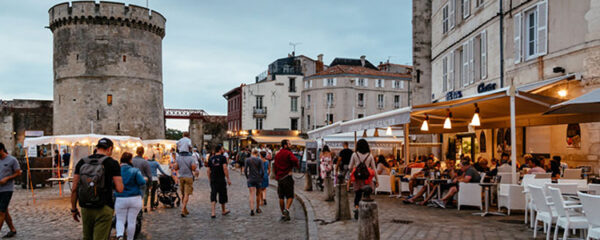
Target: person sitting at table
x,y
429,166
555,167
527,158
469,175
482,165
535,167
447,173
383,168
394,169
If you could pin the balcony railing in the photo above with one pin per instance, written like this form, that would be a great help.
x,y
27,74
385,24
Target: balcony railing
x,y
260,112
361,103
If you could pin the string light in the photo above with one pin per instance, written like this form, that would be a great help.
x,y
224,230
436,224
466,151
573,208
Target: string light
x,y
425,125
476,121
447,122
562,93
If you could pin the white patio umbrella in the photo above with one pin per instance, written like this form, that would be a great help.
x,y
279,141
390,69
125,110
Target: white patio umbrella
x,y
586,103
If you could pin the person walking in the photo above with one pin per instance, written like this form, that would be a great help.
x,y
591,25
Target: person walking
x,y
326,162
254,172
363,167
9,170
66,158
140,163
343,161
154,166
218,175
285,161
129,202
265,182
185,166
94,179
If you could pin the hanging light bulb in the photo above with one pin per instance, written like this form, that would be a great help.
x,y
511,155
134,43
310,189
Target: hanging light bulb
x,y
447,122
476,121
425,125
388,132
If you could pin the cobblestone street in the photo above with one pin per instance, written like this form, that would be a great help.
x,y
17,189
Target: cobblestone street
x,y
399,221
49,217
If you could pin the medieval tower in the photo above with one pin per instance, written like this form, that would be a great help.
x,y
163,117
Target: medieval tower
x,y
107,69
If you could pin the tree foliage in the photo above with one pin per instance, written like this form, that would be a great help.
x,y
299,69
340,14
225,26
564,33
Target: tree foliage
x,y
173,134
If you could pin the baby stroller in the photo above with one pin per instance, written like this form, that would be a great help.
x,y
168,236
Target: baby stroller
x,y
167,192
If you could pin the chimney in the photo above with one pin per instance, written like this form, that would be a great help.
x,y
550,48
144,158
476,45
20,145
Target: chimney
x,y
362,60
319,65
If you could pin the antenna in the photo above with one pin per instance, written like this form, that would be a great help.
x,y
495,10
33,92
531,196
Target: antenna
x,y
294,44
146,3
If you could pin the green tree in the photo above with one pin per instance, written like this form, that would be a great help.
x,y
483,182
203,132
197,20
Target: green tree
x,y
173,134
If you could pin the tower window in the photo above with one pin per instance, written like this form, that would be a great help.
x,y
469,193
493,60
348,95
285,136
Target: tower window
x,y
109,99
124,58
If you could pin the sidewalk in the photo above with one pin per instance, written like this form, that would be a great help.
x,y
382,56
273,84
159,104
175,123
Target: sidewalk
x,y
400,221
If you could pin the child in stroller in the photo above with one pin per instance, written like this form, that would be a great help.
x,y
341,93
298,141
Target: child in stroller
x,y
167,192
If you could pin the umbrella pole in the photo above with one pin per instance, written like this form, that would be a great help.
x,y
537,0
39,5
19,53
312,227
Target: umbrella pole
x,y
59,173
29,175
513,135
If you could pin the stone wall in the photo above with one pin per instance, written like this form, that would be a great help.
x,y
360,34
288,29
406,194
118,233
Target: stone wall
x,y
421,74
107,69
18,116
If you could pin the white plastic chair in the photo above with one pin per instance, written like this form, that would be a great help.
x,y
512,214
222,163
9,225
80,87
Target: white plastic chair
x,y
469,194
582,184
570,188
511,197
595,188
592,213
567,218
574,173
530,179
384,184
544,213
404,185
505,177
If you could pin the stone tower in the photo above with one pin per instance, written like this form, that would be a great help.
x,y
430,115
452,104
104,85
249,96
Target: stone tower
x,y
107,69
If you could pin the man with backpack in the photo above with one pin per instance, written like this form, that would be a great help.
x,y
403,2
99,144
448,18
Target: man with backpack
x,y
285,161
94,179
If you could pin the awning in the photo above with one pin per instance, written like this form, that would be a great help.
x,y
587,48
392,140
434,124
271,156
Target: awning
x,y
587,103
541,85
325,131
294,140
83,139
380,120
494,111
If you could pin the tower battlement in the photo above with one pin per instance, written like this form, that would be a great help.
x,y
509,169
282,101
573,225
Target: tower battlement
x,y
106,13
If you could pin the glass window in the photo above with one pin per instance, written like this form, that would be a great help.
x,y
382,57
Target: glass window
x,y
445,19
361,99
259,123
259,101
380,101
329,118
329,99
396,101
294,104
294,124
292,85
530,32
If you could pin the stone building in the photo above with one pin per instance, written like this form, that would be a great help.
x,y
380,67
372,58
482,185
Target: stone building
x,y
107,69
353,88
21,118
421,31
474,49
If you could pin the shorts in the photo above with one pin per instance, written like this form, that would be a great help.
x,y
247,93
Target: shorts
x,y
5,200
218,188
254,184
187,185
265,182
285,187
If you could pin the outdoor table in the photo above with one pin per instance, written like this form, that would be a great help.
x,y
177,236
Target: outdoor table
x,y
439,182
486,187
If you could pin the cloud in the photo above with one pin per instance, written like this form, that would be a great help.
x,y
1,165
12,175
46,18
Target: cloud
x,y
213,46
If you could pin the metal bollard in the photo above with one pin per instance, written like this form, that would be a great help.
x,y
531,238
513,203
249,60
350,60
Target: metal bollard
x,y
342,210
368,219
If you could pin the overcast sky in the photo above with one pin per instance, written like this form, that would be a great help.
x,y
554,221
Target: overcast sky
x,y
213,46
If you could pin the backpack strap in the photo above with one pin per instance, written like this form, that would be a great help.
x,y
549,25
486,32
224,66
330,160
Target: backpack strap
x,y
100,160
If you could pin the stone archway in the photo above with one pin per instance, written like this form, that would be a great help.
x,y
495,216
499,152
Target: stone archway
x,y
197,118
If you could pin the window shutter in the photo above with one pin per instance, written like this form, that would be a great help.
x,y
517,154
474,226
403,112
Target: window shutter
x,y
517,37
306,84
542,30
471,62
483,61
366,82
464,73
401,84
334,81
356,81
451,16
382,83
445,74
451,71
466,8
310,84
324,82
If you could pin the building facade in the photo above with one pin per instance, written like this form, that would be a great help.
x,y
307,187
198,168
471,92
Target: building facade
x,y
23,118
474,49
234,108
353,88
107,69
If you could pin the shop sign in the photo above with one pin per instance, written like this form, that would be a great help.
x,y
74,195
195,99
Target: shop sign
x,y
482,87
453,95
